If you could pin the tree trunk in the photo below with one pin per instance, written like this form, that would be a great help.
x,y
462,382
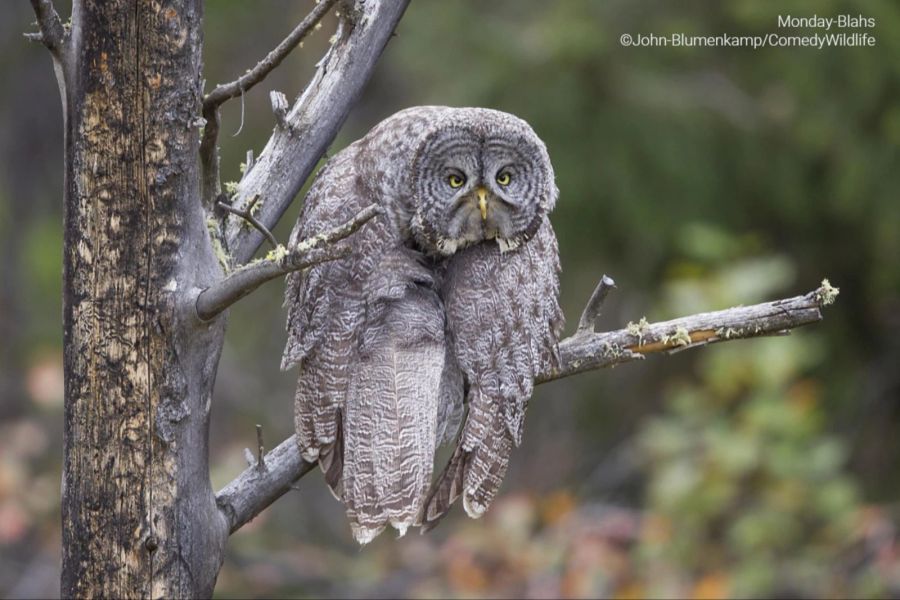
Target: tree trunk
x,y
139,514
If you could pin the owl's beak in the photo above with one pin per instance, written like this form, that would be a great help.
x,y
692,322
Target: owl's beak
x,y
482,202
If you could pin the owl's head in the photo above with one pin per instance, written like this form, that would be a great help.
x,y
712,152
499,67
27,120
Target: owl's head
x,y
480,175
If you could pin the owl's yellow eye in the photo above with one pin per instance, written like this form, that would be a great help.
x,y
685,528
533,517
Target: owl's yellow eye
x,y
455,181
504,178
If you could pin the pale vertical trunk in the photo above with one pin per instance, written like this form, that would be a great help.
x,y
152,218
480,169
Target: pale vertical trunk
x,y
139,515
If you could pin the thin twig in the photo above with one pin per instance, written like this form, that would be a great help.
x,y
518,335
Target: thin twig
x,y
591,312
260,450
247,215
242,84
249,494
248,458
312,251
53,33
241,126
337,233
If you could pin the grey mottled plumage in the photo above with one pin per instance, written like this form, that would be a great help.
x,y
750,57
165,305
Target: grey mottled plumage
x,y
451,295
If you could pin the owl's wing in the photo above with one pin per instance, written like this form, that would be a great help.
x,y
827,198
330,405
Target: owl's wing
x,y
367,332
504,321
326,307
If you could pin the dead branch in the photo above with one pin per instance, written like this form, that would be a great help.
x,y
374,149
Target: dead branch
x,y
209,153
254,490
53,33
306,253
242,84
260,450
293,151
587,351
247,215
591,312
251,492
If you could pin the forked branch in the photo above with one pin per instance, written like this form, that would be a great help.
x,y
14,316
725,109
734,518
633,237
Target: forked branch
x,y
247,215
281,261
242,84
251,492
313,121
209,154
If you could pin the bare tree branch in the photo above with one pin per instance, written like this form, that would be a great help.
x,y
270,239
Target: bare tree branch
x,y
53,33
254,490
242,84
293,151
251,492
589,351
247,215
312,251
209,152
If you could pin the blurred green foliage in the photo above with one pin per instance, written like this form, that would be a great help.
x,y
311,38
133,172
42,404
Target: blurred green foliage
x,y
697,177
744,484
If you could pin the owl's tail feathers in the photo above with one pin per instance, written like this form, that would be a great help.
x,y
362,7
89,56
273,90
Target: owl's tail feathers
x,y
316,404
390,428
475,474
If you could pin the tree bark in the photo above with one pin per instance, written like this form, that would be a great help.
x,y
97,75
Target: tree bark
x,y
139,514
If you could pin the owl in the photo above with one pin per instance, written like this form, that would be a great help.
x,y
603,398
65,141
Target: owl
x,y
446,306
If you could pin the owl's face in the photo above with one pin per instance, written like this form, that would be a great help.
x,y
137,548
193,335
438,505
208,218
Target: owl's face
x,y
483,175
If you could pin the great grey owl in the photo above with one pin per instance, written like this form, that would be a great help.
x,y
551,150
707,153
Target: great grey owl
x,y
447,300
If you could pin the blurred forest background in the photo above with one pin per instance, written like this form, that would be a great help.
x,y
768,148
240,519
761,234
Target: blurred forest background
x,y
699,178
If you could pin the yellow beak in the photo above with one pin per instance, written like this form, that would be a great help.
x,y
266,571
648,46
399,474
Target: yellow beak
x,y
482,202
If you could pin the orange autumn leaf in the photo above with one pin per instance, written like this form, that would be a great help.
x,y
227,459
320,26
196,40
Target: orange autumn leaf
x,y
711,587
557,506
630,591
465,574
